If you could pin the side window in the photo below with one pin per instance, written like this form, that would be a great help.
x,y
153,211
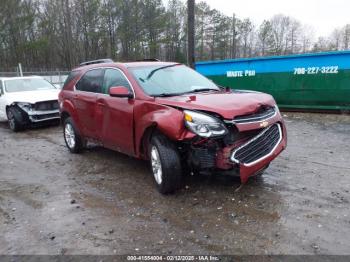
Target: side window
x,y
70,77
1,88
91,81
113,77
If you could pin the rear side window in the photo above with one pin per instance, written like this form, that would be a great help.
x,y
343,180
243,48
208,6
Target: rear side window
x,y
70,77
1,89
113,77
91,82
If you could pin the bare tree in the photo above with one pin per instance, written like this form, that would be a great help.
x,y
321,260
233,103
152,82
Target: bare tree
x,y
346,36
61,33
265,36
307,38
294,36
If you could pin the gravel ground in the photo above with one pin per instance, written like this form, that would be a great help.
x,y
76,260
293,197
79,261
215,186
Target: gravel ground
x,y
103,202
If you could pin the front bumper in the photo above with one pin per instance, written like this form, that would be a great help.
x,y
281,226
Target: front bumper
x,y
252,142
36,113
226,156
249,170
41,116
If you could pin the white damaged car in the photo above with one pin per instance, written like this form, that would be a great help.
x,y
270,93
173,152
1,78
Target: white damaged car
x,y
28,101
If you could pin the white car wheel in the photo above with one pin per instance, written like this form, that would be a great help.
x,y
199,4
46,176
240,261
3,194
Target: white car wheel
x,y
15,119
11,119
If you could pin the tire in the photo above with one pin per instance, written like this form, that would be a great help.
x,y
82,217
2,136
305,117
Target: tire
x,y
73,140
165,164
15,119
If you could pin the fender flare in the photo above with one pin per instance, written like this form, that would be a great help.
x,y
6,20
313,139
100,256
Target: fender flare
x,y
167,120
19,113
68,108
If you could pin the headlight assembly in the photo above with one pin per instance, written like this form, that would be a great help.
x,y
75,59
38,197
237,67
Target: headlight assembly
x,y
25,106
204,125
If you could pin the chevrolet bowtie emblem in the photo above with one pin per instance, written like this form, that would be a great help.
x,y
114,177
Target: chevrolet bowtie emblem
x,y
264,124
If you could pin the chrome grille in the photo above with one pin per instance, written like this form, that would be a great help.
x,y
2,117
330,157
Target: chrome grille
x,y
259,147
263,114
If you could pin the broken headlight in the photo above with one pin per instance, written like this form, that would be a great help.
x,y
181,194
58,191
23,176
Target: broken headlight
x,y
204,125
25,106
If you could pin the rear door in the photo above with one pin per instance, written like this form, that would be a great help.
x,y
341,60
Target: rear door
x,y
87,89
115,115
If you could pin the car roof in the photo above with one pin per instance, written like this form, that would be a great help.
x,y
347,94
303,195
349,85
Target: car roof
x,y
19,77
147,64
127,65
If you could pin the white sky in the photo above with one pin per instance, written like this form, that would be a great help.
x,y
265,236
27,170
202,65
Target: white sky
x,y
322,15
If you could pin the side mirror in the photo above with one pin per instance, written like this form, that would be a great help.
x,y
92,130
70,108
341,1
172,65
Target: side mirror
x,y
120,91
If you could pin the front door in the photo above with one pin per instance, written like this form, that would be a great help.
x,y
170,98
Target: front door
x,y
115,115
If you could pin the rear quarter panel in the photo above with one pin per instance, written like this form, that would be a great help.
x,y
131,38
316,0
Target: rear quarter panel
x,y
66,98
67,106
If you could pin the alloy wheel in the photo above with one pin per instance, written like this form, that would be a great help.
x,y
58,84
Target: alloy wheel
x,y
156,165
69,135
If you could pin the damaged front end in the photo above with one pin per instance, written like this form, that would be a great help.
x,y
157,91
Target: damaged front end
x,y
28,113
245,144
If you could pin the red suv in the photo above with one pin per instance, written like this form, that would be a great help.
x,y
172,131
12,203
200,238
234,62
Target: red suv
x,y
172,116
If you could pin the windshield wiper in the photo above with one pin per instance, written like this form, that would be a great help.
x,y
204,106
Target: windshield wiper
x,y
225,88
168,94
183,93
157,69
197,90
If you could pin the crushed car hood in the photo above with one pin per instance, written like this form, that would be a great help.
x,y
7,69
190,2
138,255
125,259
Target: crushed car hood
x,y
227,104
33,96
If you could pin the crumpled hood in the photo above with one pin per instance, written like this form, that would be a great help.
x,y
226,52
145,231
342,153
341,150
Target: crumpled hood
x,y
226,104
33,96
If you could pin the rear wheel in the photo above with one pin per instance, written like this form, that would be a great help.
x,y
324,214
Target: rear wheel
x,y
71,136
15,119
165,164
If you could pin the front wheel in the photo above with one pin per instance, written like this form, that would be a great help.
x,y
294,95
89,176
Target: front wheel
x,y
15,119
71,136
165,164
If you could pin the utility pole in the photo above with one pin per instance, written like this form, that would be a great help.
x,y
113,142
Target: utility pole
x,y
190,33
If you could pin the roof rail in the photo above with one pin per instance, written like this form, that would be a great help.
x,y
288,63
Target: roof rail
x,y
98,61
148,60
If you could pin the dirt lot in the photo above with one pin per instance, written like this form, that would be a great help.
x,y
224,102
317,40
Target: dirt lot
x,y
102,202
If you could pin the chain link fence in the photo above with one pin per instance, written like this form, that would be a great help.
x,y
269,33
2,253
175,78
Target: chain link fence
x,y
56,77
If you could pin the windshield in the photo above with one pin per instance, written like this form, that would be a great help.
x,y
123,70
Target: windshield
x,y
27,84
171,80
